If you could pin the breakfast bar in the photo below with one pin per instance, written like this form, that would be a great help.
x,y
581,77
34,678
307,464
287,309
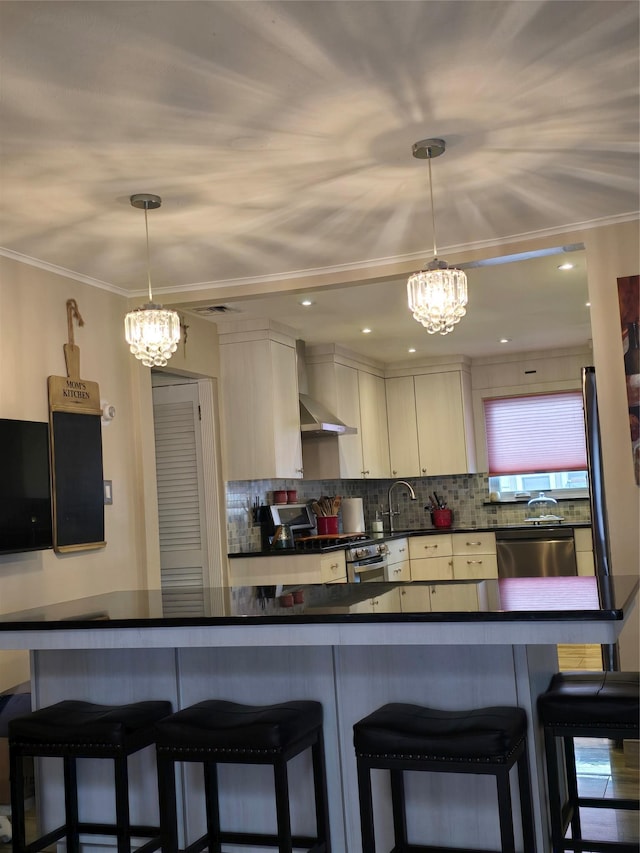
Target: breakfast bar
x,y
353,647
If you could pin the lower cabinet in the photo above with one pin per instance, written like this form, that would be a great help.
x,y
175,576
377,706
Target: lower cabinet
x,y
387,602
447,597
290,569
584,551
474,555
431,557
398,563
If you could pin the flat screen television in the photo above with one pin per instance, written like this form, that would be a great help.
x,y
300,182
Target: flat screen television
x,y
25,486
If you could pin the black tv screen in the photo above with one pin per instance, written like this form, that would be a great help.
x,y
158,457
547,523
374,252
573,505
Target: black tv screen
x,y
25,486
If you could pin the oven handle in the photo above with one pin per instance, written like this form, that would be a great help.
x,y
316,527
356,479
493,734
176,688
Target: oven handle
x,y
376,560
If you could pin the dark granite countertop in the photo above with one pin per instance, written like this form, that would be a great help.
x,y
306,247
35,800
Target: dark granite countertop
x,y
517,600
402,534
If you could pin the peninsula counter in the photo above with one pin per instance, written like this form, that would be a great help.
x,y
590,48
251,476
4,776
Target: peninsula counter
x,y
353,647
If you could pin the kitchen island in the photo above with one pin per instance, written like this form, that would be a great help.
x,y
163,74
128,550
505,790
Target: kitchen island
x,y
334,646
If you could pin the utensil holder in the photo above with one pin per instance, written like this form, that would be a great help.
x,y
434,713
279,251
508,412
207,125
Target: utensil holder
x,y
442,518
327,524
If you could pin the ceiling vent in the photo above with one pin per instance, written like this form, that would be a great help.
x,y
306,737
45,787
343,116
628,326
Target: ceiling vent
x,y
209,310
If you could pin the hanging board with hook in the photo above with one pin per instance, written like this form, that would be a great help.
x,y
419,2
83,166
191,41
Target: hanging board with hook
x,y
75,434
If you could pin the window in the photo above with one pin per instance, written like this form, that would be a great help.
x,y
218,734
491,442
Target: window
x,y
537,443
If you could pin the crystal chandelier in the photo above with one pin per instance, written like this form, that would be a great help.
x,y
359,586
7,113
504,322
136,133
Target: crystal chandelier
x,y
437,294
152,332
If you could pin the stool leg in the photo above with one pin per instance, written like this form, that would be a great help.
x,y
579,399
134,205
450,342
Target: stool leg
x,y
16,776
282,806
526,803
398,808
212,801
553,782
572,786
167,802
71,805
123,822
320,792
505,811
366,807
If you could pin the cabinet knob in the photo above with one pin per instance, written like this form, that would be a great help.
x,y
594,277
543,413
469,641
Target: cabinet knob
x,y
432,547
394,472
473,543
474,562
364,473
424,470
300,470
333,567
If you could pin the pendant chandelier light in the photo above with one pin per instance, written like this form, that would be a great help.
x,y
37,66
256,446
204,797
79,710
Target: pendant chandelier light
x,y
437,294
152,332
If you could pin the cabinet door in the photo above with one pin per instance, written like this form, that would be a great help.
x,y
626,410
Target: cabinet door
x,y
403,431
260,411
433,545
388,602
373,425
434,569
472,566
333,568
415,598
440,413
348,410
454,597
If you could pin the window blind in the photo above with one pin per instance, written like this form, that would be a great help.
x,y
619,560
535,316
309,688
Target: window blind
x,y
535,433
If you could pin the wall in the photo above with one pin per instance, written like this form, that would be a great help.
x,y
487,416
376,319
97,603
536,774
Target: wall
x,y
33,329
613,252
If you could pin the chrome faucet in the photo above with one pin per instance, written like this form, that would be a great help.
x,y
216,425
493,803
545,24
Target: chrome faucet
x,y
391,511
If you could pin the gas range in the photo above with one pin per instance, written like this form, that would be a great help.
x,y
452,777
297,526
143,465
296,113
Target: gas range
x,y
366,560
329,541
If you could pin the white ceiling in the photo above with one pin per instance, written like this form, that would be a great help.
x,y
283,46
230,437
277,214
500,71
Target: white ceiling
x,y
279,136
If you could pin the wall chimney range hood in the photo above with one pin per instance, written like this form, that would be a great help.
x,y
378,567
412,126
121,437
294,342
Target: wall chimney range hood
x,y
316,420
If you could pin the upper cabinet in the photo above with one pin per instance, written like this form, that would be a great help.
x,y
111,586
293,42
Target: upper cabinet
x,y
259,409
430,421
355,392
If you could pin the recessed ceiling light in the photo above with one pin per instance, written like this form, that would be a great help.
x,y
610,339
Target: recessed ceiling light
x,y
566,266
505,340
412,349
366,331
306,303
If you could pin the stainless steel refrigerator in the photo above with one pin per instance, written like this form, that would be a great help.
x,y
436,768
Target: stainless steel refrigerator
x,y
599,526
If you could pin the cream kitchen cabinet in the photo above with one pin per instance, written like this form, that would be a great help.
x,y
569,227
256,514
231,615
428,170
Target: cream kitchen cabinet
x,y
289,569
584,551
357,397
449,597
431,557
398,563
474,555
386,602
259,408
430,424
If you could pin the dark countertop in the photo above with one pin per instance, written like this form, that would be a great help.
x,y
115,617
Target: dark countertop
x,y
402,534
517,600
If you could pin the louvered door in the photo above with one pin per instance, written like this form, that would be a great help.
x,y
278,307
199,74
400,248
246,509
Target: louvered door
x,y
183,551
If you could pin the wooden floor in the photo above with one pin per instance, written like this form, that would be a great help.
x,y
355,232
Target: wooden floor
x,y
603,769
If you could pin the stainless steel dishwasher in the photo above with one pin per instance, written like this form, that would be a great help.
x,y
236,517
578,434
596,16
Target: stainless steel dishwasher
x,y
536,552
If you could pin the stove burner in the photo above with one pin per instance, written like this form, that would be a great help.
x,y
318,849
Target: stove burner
x,y
318,543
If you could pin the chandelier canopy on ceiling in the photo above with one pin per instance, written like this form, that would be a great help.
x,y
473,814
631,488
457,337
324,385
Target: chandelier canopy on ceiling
x,y
152,332
437,294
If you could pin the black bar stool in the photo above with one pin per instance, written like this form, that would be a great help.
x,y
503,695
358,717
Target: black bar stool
x,y
593,705
399,737
72,730
219,732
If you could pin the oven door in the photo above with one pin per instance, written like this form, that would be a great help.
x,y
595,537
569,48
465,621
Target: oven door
x,y
366,571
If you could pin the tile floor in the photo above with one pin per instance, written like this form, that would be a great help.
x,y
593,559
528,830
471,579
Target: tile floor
x,y
603,769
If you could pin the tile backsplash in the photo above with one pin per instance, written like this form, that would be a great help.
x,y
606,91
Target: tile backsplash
x,y
466,494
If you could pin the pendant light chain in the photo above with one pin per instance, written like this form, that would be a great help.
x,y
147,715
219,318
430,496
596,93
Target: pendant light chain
x,y
146,228
433,213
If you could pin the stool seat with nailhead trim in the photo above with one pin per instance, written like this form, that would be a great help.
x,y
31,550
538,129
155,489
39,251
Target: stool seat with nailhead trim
x,y
75,729
592,705
399,737
219,732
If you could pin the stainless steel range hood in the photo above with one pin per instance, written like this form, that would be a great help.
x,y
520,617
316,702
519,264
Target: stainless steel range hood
x,y
315,419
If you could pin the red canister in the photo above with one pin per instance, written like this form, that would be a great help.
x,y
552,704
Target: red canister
x,y
280,497
442,518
